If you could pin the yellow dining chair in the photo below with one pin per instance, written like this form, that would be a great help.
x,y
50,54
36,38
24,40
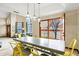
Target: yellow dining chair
x,y
19,35
19,50
15,50
72,45
22,51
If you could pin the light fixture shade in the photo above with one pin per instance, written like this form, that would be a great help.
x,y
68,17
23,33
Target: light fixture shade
x,y
39,19
27,10
27,15
39,12
34,18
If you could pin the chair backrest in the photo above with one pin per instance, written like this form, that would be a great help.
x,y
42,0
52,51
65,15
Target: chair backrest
x,y
72,45
19,35
19,47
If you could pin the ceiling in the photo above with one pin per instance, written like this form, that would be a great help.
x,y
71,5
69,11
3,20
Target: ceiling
x,y
45,8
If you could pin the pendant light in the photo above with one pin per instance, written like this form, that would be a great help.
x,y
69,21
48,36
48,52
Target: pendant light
x,y
34,16
39,12
28,10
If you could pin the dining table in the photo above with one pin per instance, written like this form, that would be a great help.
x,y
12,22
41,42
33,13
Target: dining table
x,y
52,45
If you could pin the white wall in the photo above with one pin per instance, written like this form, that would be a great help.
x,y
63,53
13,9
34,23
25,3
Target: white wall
x,y
72,27
13,21
35,28
2,27
78,31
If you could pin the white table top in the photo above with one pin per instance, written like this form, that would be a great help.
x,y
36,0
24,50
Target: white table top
x,y
48,43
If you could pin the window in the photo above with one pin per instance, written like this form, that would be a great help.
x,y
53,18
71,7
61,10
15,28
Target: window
x,y
19,26
52,28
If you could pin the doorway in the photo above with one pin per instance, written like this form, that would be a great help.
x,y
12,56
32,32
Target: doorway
x,y
8,30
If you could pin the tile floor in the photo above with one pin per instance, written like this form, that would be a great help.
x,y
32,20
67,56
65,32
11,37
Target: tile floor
x,y
6,49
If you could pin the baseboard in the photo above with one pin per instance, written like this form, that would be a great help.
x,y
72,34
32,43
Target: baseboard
x,y
74,49
2,36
